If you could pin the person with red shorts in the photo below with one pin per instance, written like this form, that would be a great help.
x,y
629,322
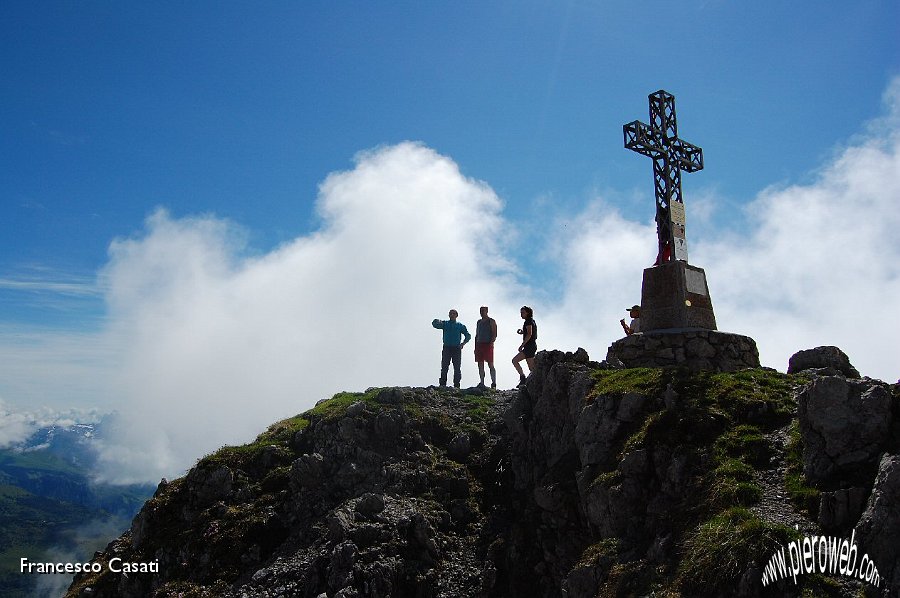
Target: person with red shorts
x,y
485,335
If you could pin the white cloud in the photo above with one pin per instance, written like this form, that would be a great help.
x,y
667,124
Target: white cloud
x,y
77,289
601,265
820,263
14,427
215,346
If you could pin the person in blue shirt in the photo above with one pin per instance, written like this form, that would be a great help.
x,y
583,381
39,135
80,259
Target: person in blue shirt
x,y
453,334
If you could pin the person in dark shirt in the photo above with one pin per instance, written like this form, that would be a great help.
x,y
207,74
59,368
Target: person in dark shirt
x,y
485,335
528,348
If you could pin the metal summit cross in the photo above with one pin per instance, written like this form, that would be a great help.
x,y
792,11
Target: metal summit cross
x,y
659,140
674,294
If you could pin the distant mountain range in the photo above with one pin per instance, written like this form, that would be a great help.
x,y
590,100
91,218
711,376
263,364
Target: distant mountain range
x,y
49,505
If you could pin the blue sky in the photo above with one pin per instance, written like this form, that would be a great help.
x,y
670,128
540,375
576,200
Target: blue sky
x,y
241,110
232,118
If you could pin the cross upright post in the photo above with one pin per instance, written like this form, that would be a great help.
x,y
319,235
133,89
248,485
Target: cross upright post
x,y
659,140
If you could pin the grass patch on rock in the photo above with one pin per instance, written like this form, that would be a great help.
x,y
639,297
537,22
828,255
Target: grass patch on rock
x,y
607,548
732,484
707,404
478,407
719,550
646,381
335,407
284,430
799,492
745,442
746,390
608,479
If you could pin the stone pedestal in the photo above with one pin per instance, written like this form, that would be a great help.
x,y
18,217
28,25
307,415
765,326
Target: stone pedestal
x,y
674,295
694,349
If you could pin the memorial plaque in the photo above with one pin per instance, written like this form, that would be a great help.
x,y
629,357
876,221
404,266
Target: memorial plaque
x,y
695,281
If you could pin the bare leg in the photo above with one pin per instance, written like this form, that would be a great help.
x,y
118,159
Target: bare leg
x,y
530,362
519,357
493,373
481,370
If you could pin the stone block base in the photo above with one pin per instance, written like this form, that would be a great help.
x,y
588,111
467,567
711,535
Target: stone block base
x,y
675,295
694,349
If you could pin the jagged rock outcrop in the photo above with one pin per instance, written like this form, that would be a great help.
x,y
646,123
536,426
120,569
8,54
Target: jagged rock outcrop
x,y
845,425
839,509
590,480
878,529
828,359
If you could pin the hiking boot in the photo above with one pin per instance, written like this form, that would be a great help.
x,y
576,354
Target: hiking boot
x,y
493,385
522,380
456,385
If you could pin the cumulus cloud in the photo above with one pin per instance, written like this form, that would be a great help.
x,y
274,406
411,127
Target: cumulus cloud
x,y
820,263
600,265
216,344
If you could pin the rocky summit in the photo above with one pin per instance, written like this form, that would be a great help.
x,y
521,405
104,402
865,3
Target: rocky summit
x,y
589,480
